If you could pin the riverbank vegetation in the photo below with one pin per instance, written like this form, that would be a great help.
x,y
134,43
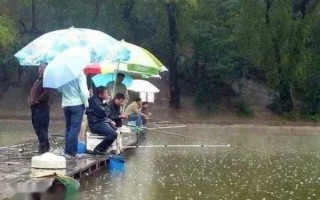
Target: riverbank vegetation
x,y
208,46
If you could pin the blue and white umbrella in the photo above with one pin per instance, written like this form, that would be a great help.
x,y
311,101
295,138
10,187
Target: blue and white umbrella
x,y
104,79
66,67
49,45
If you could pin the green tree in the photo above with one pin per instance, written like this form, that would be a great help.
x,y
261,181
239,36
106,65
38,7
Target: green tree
x,y
8,35
274,36
215,62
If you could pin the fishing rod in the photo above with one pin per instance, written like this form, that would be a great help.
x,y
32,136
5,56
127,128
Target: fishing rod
x,y
16,145
160,121
10,163
175,134
207,140
179,135
164,127
176,145
163,122
204,140
156,127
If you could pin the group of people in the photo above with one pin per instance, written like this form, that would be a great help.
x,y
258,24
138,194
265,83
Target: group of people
x,y
104,115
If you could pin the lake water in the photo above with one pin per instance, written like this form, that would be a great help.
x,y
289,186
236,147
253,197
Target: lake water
x,y
263,162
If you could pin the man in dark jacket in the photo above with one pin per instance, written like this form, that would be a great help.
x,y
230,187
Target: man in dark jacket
x,y
98,120
114,106
38,101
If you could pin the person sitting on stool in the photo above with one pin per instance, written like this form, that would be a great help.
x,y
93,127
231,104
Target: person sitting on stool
x,y
133,112
98,120
115,105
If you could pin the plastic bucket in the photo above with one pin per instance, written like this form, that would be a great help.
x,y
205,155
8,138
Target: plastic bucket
x,y
116,163
81,148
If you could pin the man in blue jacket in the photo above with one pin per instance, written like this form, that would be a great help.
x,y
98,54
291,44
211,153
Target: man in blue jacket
x,y
98,120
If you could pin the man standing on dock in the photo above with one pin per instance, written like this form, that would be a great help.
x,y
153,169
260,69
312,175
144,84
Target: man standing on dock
x,y
38,100
75,96
115,87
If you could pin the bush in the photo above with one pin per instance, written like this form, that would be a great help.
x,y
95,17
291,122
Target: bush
x,y
311,117
243,109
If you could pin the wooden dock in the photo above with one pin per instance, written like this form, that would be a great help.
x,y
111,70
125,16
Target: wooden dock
x,y
15,164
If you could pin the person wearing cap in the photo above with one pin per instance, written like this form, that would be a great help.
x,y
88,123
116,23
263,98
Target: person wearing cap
x,y
115,87
38,101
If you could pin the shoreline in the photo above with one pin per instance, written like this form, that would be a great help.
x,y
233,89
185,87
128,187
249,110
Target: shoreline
x,y
223,122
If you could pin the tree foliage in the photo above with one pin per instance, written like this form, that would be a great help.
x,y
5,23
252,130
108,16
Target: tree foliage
x,y
206,44
277,37
215,60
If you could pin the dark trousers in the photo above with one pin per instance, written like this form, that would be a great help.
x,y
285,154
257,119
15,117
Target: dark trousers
x,y
118,122
73,116
106,130
40,121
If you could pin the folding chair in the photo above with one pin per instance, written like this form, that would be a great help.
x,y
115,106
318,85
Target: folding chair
x,y
57,143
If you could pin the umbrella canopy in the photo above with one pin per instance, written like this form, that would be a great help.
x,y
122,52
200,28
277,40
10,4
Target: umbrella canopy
x,y
66,67
140,62
104,79
143,86
49,45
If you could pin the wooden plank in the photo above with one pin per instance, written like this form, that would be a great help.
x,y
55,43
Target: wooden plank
x,y
16,161
20,171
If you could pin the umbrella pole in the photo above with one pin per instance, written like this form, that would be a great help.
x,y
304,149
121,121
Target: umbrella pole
x,y
114,82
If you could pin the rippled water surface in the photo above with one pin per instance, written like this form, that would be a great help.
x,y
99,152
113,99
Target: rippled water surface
x,y
261,163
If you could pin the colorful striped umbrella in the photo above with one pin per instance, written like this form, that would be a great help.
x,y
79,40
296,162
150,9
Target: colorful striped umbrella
x,y
140,62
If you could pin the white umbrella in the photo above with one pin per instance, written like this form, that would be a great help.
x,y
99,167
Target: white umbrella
x,y
66,67
143,86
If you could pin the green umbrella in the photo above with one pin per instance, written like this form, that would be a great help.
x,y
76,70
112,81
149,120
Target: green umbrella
x,y
141,62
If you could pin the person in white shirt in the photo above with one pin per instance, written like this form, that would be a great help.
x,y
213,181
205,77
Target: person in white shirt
x,y
75,96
